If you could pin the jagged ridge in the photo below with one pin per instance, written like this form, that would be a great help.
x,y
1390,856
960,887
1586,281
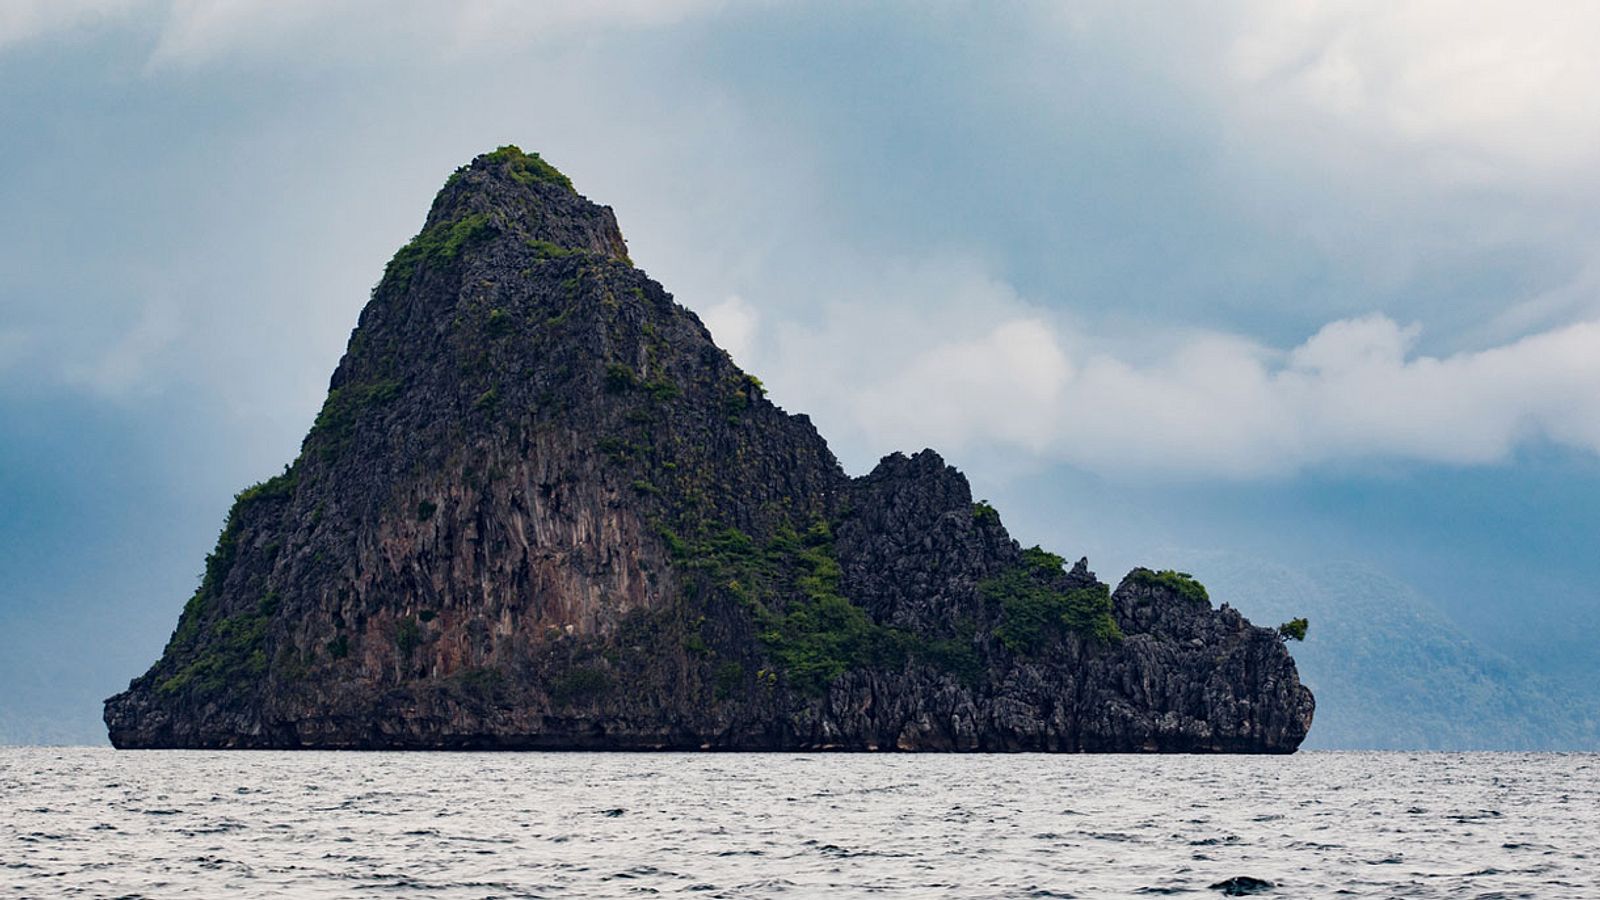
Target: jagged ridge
x,y
541,509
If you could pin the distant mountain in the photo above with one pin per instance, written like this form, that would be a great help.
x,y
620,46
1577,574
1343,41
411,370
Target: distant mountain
x,y
1557,643
541,509
53,693
1390,669
47,721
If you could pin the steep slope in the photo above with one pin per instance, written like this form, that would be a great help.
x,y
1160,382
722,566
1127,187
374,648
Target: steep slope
x,y
541,509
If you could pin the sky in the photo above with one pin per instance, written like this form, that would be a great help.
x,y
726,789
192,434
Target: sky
x,y
1303,280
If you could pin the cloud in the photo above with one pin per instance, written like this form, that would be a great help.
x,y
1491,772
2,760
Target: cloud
x,y
1468,89
499,21
733,326
1004,387
26,20
1215,405
197,32
1430,158
1404,139
1394,139
1357,392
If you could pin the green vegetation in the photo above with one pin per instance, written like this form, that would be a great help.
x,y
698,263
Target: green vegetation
x,y
955,655
617,450
662,389
985,514
487,400
742,390
498,324
1181,583
220,560
237,641
696,644
728,679
619,378
234,651
823,635
528,167
546,250
1034,611
729,557
407,636
577,685
235,648
339,647
426,509
819,634
1294,629
441,243
336,422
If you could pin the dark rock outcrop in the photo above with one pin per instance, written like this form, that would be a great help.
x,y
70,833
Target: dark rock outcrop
x,y
541,509
1242,886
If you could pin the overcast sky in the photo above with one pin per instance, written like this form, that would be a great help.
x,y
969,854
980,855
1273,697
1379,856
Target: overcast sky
x,y
1279,276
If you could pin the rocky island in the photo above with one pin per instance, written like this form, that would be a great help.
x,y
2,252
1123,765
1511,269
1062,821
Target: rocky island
x,y
540,509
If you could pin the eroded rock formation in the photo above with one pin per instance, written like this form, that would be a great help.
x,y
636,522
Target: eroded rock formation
x,y
541,509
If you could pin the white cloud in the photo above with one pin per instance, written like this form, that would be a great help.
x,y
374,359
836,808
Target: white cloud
x,y
1401,105
25,20
1003,387
1207,408
194,32
1470,90
197,32
733,326
503,21
1212,405
1361,395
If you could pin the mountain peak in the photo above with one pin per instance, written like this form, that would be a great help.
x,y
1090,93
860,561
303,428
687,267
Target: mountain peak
x,y
525,168
512,192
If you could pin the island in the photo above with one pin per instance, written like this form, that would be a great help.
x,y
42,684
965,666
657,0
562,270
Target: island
x,y
541,510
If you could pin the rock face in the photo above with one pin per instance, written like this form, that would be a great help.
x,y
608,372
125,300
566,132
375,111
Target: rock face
x,y
541,509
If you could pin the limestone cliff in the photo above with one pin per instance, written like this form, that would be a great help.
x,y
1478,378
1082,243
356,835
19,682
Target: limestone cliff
x,y
541,509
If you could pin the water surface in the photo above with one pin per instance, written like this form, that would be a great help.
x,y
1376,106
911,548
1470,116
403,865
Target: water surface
x,y
98,823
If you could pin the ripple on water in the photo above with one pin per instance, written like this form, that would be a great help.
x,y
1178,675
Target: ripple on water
x,y
96,823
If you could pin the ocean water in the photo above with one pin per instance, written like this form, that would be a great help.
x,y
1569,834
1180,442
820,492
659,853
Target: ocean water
x,y
99,823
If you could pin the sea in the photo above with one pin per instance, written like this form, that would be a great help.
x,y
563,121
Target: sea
x,y
92,822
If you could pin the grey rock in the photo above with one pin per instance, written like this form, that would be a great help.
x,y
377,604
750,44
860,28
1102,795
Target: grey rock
x,y
542,510
1242,886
